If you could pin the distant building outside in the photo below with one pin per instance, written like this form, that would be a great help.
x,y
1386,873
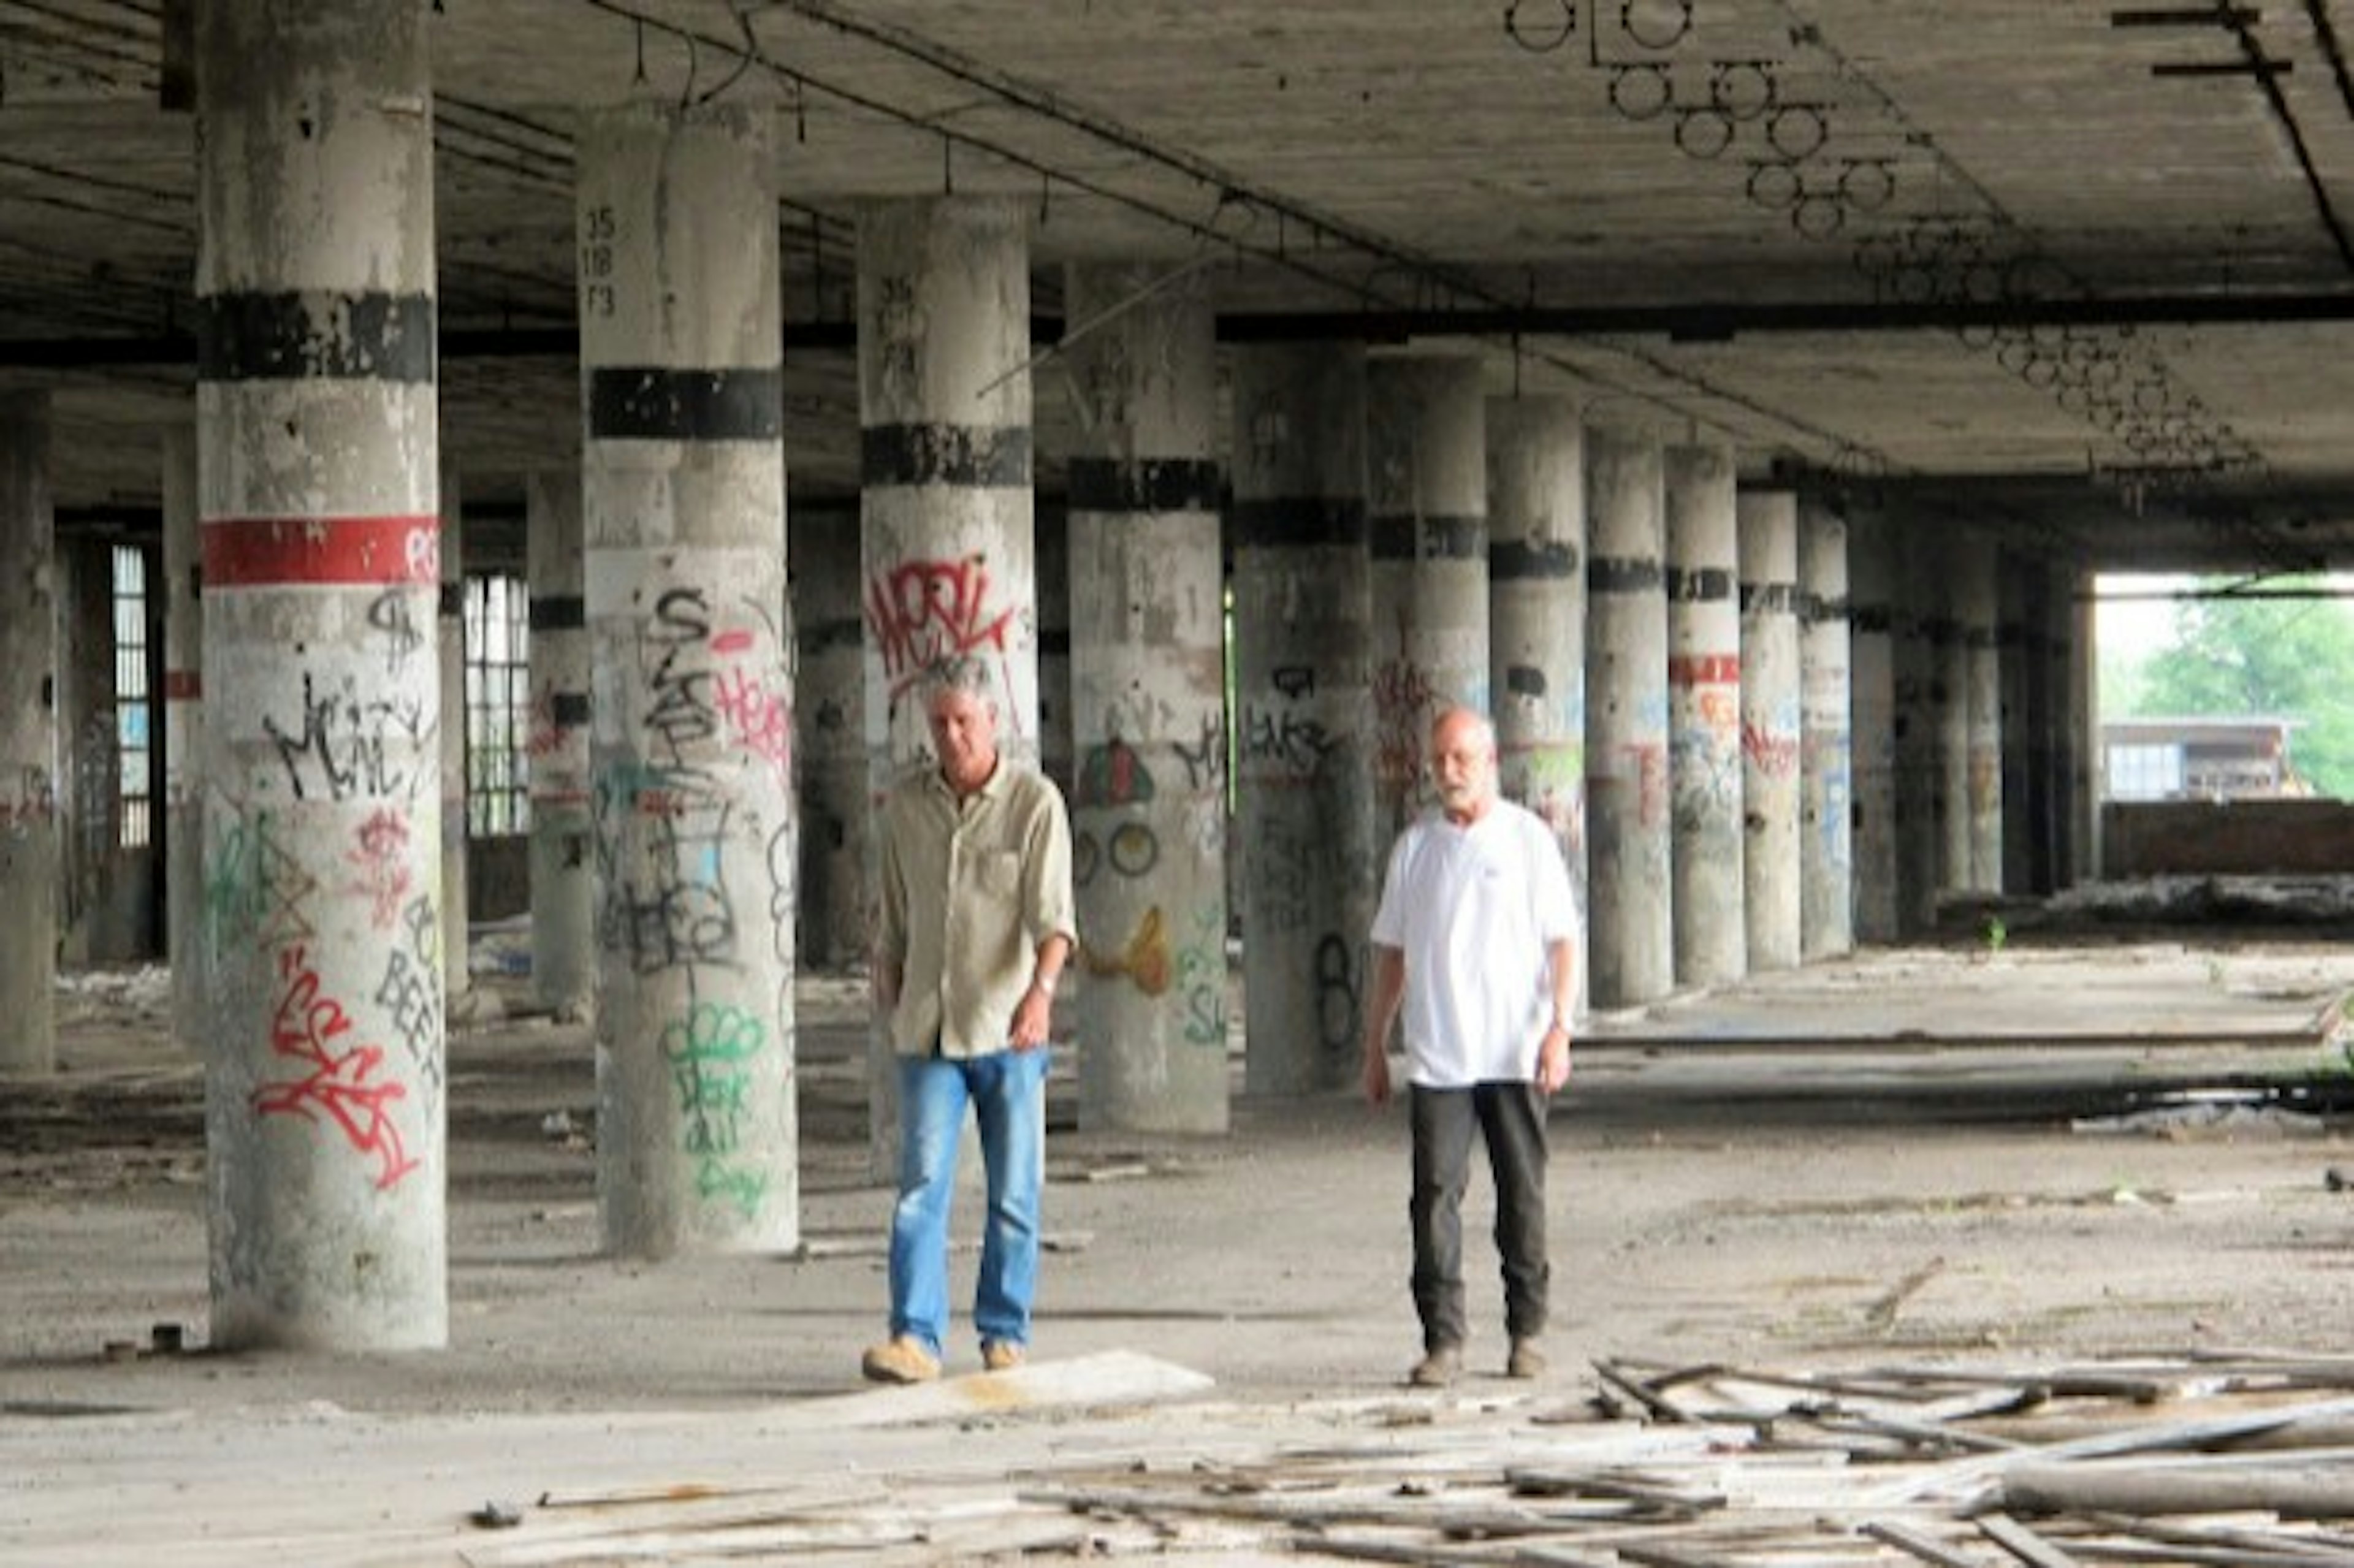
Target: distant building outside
x,y
2200,759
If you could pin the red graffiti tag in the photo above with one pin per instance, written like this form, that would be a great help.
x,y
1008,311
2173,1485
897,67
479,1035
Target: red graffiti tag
x,y
763,724
923,612
1773,754
384,877
338,1085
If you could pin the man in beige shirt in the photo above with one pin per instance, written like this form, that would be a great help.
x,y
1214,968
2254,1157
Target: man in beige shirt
x,y
977,923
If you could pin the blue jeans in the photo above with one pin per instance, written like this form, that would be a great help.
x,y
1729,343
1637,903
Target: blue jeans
x,y
1008,1092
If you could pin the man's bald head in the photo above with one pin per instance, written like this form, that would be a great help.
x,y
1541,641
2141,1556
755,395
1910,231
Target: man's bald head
x,y
1463,763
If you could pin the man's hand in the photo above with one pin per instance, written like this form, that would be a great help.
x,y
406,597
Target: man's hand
x,y
884,987
1377,1075
1033,1018
1553,1059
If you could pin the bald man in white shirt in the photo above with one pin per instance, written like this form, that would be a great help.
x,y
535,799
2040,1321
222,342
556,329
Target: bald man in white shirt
x,y
1475,944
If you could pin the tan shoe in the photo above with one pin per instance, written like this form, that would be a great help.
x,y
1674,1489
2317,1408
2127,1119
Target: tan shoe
x,y
1527,1359
1439,1366
1001,1355
900,1359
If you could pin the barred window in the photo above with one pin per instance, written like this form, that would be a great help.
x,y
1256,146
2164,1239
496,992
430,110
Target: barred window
x,y
498,701
134,711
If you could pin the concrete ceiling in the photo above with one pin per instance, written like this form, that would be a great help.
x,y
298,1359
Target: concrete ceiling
x,y
2083,271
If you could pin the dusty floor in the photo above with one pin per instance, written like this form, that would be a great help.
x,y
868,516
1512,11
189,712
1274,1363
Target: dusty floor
x,y
1939,1154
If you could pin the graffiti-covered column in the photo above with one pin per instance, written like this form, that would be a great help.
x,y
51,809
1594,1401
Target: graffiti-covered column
x,y
450,626
563,836
1979,591
318,480
1771,897
945,464
1536,610
690,751
831,704
1704,716
1311,869
1426,514
1630,851
28,741
1826,770
184,736
1871,680
1148,680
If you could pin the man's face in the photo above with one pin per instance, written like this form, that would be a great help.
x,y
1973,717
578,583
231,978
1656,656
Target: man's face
x,y
1463,768
964,737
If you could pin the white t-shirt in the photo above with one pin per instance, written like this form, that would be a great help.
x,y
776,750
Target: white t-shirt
x,y
1474,909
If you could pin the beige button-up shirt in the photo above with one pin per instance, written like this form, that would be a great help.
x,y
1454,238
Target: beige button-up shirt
x,y
970,890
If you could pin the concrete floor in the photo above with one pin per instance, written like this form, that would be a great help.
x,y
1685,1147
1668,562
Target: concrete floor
x,y
1956,1155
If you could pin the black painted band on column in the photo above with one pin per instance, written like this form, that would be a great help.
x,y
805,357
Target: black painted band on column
x,y
1872,618
1518,560
1147,484
1768,598
452,602
558,612
1822,608
659,403
291,336
569,709
1940,629
1620,574
1298,522
1405,537
967,456
1698,585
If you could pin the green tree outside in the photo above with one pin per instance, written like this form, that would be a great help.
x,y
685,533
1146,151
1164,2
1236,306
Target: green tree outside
x,y
2247,658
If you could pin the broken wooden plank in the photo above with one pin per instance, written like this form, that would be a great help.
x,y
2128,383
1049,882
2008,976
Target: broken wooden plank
x,y
2022,1542
1919,1543
2144,1489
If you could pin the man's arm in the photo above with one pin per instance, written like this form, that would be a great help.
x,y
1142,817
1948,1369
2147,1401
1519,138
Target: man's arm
x,y
1381,1015
886,966
1033,1016
1553,1053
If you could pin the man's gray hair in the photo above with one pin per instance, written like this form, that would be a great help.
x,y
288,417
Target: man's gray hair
x,y
967,672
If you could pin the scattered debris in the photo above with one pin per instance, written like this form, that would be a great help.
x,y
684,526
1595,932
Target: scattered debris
x,y
2238,1460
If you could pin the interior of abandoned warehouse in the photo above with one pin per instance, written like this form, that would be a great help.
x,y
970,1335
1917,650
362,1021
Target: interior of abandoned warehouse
x,y
479,484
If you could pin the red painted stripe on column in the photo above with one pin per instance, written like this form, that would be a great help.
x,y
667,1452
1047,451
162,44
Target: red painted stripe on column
x,y
322,552
1704,670
184,685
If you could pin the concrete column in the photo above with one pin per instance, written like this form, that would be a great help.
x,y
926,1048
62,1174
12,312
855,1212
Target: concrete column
x,y
1941,578
1827,845
837,809
948,526
1872,684
1704,716
1767,523
1920,821
683,494
1536,608
1311,867
2059,722
1425,438
1148,712
1051,548
450,625
319,477
1980,601
183,739
563,870
2084,768
28,738
1633,940
2017,639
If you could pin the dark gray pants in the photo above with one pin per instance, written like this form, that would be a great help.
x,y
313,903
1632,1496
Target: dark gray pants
x,y
1510,1118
